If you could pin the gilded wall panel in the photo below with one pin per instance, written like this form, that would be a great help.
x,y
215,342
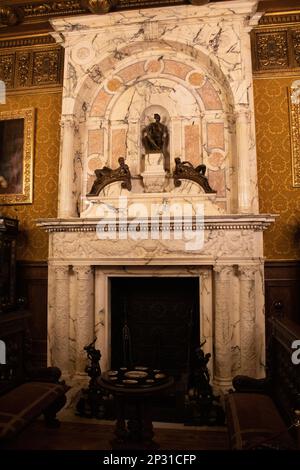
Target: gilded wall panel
x,y
276,192
33,242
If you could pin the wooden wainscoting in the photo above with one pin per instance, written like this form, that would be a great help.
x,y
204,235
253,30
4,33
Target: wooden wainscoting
x,y
282,288
32,283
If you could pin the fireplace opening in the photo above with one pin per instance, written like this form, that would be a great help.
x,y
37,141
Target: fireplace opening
x,y
161,317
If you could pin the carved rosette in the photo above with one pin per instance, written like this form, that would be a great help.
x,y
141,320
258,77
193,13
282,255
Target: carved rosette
x,y
84,306
223,275
247,319
60,341
272,48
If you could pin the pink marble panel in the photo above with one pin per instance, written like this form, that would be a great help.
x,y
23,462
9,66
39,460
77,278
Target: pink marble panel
x,y
215,135
118,149
216,159
217,181
191,141
108,63
132,71
210,96
94,164
100,103
95,144
177,69
154,66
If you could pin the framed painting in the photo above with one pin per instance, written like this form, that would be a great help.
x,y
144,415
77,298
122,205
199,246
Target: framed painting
x,y
16,156
294,94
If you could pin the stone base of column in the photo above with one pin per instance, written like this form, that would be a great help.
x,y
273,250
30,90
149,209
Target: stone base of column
x,y
222,385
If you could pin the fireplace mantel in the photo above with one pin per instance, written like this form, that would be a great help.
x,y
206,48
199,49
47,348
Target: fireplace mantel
x,y
191,65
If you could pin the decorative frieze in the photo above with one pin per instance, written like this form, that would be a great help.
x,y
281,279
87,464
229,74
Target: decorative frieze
x,y
30,68
276,48
7,63
272,50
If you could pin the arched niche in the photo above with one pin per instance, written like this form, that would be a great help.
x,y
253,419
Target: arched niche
x,y
199,111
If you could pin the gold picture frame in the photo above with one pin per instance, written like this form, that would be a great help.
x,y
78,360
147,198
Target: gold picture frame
x,y
16,156
294,102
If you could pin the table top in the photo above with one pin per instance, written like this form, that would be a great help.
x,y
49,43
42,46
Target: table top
x,y
129,386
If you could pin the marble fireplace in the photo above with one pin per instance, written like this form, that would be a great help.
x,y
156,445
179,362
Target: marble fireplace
x,y
192,66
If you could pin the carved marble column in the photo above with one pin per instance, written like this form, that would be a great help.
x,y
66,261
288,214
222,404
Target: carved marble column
x,y
60,325
247,320
222,363
66,203
85,324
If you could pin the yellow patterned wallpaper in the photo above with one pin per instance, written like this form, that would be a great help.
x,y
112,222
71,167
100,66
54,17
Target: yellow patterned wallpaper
x,y
276,193
33,242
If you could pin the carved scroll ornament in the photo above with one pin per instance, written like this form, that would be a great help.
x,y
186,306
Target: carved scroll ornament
x,y
106,176
186,171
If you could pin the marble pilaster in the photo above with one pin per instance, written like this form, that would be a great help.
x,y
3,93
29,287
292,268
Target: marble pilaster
x,y
85,323
247,320
59,340
66,203
222,340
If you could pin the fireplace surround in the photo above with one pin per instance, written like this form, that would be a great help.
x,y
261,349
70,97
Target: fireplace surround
x,y
191,65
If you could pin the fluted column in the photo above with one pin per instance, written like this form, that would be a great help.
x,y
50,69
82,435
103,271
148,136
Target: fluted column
x,y
222,363
247,320
60,326
66,203
84,314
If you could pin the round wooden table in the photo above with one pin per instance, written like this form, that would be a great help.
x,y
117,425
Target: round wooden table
x,y
137,432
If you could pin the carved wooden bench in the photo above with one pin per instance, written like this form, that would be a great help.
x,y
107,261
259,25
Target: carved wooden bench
x,y
264,413
26,402
254,422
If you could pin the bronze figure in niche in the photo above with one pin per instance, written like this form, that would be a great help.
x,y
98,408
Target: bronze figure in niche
x,y
106,176
185,170
155,138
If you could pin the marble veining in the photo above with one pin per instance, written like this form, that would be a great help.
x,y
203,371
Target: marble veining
x,y
192,66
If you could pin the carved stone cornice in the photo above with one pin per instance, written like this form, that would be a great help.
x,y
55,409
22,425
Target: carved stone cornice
x,y
228,222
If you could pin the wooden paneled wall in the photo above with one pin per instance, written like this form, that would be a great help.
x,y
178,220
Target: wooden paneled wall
x,y
282,289
32,283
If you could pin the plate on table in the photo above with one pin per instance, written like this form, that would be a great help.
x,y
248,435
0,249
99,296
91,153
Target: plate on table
x,y
112,373
160,376
130,381
140,368
136,374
